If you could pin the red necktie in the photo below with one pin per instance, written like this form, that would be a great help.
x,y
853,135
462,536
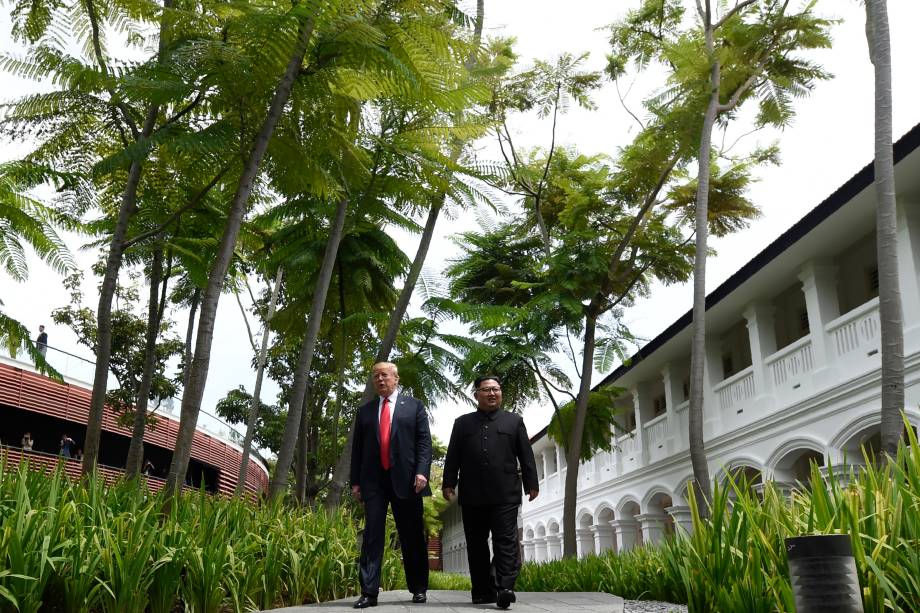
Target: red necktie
x,y
385,434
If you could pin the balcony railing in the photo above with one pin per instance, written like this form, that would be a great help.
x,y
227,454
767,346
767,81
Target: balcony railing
x,y
856,330
735,389
79,371
656,431
628,445
795,359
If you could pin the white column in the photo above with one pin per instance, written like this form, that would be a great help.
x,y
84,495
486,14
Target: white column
x,y
762,337
673,389
652,527
603,538
626,531
554,547
640,399
540,550
584,542
683,519
712,376
529,547
819,283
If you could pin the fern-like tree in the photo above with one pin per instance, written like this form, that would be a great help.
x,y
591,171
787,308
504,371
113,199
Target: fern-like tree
x,y
25,221
717,62
891,316
101,121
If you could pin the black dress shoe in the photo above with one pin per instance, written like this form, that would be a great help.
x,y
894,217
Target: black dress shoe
x,y
365,601
489,599
504,598
419,597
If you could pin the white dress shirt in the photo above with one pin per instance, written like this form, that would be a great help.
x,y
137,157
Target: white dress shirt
x,y
392,407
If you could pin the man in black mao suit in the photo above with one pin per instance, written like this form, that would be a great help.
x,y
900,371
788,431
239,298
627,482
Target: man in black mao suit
x,y
390,465
485,448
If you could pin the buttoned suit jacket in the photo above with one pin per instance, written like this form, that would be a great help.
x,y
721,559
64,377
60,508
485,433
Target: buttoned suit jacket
x,y
488,472
410,448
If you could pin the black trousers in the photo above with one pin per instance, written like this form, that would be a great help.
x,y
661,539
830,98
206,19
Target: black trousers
x,y
501,521
408,515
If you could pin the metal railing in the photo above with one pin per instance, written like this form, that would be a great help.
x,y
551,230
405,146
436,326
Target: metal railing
x,y
80,371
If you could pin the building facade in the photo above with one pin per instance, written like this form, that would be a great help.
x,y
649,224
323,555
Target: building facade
x,y
792,376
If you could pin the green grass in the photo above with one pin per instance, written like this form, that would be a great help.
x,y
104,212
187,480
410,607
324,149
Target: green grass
x,y
737,562
448,581
87,547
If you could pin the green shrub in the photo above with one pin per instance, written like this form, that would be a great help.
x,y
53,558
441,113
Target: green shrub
x,y
88,547
736,561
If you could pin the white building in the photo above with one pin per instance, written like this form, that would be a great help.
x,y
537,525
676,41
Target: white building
x,y
792,375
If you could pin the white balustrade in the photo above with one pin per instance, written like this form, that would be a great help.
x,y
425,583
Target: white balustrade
x,y
628,445
858,329
656,431
791,361
735,389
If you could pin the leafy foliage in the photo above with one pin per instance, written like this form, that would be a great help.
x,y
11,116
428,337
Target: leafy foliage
x,y
128,350
98,547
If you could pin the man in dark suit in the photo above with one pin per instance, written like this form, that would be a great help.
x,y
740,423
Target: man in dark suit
x,y
390,465
485,448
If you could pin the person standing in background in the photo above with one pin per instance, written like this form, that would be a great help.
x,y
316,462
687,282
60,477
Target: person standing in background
x,y
67,446
41,343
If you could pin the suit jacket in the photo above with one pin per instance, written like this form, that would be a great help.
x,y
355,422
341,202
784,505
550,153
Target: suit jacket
x,y
410,448
486,448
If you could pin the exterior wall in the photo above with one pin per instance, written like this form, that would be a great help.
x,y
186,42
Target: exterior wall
x,y
19,387
814,397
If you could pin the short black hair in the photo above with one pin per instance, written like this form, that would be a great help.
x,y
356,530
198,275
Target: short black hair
x,y
482,378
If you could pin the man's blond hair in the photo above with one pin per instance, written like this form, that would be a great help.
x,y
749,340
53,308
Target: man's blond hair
x,y
388,365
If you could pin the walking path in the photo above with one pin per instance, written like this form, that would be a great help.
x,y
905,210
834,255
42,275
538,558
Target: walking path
x,y
444,601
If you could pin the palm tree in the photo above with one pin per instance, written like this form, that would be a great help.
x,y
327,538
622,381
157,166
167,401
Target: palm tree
x,y
747,53
891,317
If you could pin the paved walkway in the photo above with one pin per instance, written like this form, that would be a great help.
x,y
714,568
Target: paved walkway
x,y
443,601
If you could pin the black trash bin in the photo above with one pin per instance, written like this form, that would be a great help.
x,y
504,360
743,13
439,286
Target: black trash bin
x,y
823,574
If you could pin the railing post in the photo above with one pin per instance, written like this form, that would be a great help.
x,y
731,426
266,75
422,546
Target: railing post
x,y
762,339
819,283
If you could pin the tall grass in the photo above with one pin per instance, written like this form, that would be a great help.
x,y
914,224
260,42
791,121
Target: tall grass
x,y
736,561
89,547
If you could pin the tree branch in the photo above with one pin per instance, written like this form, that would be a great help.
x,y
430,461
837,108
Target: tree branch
x,y
190,204
738,7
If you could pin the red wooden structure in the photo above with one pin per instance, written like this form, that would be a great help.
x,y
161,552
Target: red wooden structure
x,y
29,391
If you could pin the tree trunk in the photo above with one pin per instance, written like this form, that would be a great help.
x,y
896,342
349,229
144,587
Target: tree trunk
x,y
340,379
104,309
698,460
257,389
187,359
891,317
305,361
126,210
136,448
573,453
198,374
300,468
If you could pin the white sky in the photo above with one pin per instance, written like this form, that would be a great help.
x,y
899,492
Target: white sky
x,y
829,141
